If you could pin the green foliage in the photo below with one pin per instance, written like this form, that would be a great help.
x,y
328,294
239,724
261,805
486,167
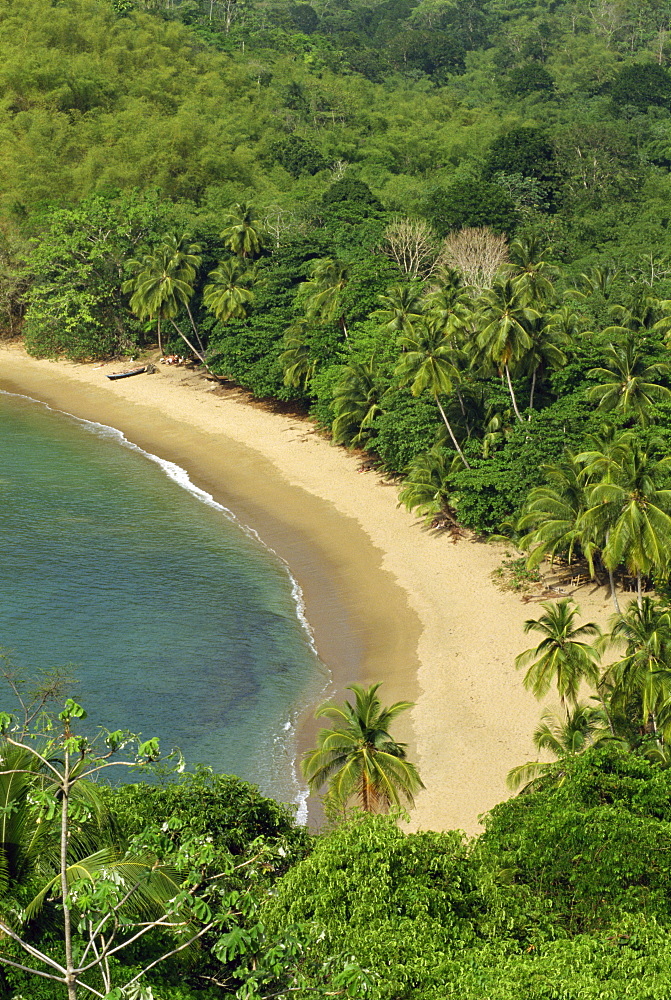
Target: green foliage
x,y
642,85
471,203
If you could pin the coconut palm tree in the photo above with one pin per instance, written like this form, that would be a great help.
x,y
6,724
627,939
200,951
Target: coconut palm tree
x,y
628,385
162,285
401,307
358,756
242,234
296,360
633,514
583,726
504,322
427,366
545,353
552,521
227,293
561,657
356,402
528,265
323,292
643,675
426,487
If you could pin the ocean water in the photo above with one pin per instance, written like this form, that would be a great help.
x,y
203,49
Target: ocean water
x,y
176,620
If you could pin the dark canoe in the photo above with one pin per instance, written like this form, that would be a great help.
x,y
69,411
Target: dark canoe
x,y
132,371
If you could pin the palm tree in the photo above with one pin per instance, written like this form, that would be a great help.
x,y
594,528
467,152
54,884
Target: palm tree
x,y
583,726
242,235
547,341
552,521
560,657
323,292
529,267
401,307
426,487
427,366
356,402
629,385
296,360
643,674
505,317
227,293
162,284
634,515
358,756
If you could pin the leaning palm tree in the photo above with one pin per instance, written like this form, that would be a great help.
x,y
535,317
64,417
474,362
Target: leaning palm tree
x,y
584,726
427,484
227,293
427,365
561,657
358,757
296,360
504,320
628,385
161,285
242,234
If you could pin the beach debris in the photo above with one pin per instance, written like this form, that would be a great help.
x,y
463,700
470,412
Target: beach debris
x,y
176,359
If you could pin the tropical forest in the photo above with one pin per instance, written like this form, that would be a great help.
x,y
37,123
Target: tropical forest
x,y
440,230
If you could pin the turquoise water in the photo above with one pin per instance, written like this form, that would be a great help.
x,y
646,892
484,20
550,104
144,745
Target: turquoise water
x,y
178,622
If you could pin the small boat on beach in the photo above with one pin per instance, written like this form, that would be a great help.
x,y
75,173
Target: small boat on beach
x,y
131,371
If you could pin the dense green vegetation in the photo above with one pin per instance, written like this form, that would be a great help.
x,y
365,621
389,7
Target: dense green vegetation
x,y
442,228
196,886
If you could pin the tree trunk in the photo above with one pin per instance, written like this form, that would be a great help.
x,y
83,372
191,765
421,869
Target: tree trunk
x,y
639,591
533,389
613,592
193,327
189,344
365,793
451,433
70,979
160,341
512,395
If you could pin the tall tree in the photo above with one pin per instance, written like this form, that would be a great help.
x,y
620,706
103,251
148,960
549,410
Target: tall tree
x,y
642,677
561,657
162,285
323,292
629,385
634,514
427,366
504,320
227,293
242,234
359,757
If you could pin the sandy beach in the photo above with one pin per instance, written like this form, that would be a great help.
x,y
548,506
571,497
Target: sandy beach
x,y
387,600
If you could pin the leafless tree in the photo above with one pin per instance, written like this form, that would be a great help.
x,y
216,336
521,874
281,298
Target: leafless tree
x,y
478,254
412,245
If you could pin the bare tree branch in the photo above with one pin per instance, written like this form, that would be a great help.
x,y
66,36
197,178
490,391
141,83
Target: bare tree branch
x,y
478,254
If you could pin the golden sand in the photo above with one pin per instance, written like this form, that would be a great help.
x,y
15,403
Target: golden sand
x,y
387,600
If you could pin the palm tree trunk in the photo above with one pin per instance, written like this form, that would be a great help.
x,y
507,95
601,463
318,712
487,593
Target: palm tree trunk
x,y
193,327
70,978
613,592
189,344
639,591
451,432
365,793
160,342
512,395
531,394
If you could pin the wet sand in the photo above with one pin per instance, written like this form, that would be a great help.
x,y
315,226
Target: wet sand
x,y
387,600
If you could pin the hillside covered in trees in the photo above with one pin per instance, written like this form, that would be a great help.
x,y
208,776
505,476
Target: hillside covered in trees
x,y
439,227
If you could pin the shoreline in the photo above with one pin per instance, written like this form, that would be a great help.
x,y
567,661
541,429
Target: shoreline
x,y
385,599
